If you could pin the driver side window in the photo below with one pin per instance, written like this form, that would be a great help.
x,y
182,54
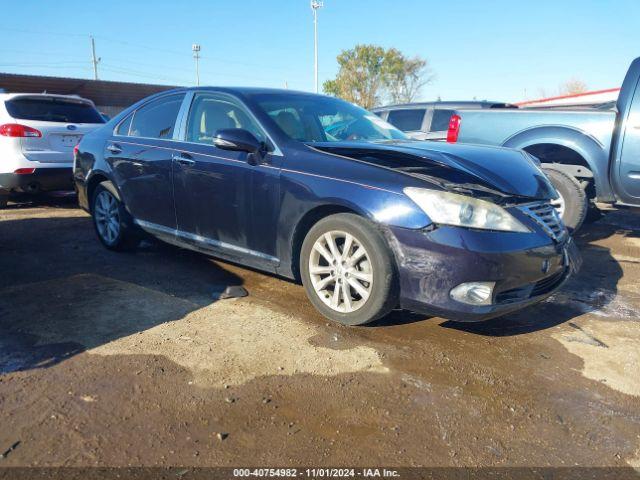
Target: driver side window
x,y
210,113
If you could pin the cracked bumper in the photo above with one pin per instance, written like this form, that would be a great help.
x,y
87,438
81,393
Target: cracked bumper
x,y
526,269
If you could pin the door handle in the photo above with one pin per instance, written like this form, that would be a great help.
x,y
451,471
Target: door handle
x,y
182,160
113,148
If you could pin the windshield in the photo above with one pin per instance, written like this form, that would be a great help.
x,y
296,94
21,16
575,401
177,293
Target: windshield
x,y
315,118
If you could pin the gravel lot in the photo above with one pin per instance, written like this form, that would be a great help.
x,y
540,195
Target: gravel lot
x,y
127,359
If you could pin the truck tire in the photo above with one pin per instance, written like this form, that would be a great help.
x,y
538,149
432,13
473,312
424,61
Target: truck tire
x,y
4,198
573,204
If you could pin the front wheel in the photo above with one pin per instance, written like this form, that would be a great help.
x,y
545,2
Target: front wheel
x,y
572,204
348,271
4,198
112,222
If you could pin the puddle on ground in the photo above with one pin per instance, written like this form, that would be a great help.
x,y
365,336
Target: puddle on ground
x,y
600,302
609,351
225,343
21,351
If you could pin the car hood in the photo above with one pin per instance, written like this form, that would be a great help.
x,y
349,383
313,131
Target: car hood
x,y
457,167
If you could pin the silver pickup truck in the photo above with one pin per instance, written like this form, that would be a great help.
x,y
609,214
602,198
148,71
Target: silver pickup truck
x,y
589,155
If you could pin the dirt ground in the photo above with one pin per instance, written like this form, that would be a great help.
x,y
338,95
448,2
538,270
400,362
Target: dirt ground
x,y
111,359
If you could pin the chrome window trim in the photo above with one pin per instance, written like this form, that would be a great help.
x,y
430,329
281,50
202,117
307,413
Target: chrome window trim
x,y
208,241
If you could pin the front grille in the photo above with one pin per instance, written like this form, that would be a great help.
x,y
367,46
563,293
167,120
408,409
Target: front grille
x,y
541,287
547,284
545,215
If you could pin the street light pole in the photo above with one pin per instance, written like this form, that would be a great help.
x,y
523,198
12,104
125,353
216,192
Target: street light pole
x,y
315,5
195,48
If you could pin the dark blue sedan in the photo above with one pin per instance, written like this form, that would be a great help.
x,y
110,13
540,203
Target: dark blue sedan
x,y
316,189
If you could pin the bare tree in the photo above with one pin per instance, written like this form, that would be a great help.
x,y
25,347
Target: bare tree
x,y
573,86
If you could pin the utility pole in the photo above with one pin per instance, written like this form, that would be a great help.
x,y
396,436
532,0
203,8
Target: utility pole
x,y
195,48
315,5
94,60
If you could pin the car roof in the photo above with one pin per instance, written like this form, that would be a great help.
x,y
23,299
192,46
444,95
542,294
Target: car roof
x,y
466,104
241,90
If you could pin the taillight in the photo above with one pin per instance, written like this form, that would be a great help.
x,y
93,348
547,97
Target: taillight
x,y
454,128
17,130
25,171
75,151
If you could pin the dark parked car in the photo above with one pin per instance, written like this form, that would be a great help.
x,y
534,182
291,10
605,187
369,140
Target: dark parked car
x,y
314,188
430,120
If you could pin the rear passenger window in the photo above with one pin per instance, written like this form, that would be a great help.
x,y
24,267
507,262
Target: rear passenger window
x,y
123,128
406,120
440,120
157,119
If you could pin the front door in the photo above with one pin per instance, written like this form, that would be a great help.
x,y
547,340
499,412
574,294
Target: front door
x,y
223,202
629,161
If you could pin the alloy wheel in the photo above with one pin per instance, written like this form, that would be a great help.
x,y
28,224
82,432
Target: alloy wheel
x,y
107,217
341,271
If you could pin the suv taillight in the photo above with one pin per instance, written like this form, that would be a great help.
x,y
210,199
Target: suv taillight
x,y
17,130
454,128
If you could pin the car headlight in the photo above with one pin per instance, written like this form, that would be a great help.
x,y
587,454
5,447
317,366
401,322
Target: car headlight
x,y
453,209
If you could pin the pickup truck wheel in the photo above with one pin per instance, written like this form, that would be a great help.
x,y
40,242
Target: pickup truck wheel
x,y
573,203
4,198
348,270
112,222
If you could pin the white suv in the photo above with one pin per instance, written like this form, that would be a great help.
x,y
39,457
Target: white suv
x,y
38,133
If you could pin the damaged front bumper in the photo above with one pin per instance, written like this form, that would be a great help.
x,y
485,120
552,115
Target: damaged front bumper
x,y
524,268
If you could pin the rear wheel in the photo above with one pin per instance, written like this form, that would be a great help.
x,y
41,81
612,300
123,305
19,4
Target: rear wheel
x,y
4,198
347,270
112,222
572,204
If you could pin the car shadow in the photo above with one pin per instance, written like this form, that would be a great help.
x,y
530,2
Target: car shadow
x,y
21,201
592,289
61,293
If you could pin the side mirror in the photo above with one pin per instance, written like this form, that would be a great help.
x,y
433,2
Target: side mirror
x,y
237,139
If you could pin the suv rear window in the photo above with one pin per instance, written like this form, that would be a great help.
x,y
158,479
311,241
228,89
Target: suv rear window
x,y
52,109
440,120
406,120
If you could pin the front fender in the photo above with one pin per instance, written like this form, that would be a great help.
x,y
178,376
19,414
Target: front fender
x,y
587,146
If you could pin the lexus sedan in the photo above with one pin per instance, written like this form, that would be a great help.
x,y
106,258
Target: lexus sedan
x,y
313,188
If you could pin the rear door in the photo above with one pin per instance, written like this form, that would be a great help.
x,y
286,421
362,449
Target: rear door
x,y
62,121
141,153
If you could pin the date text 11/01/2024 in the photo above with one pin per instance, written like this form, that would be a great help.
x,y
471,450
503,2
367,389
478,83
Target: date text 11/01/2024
x,y
316,472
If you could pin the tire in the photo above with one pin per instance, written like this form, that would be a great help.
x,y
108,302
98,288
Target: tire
x,y
113,224
573,204
376,264
4,198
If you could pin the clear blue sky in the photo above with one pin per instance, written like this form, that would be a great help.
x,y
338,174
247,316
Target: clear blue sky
x,y
495,49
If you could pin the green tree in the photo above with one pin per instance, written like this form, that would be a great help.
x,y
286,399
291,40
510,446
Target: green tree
x,y
360,79
369,74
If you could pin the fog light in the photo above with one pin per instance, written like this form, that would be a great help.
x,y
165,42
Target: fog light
x,y
473,293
